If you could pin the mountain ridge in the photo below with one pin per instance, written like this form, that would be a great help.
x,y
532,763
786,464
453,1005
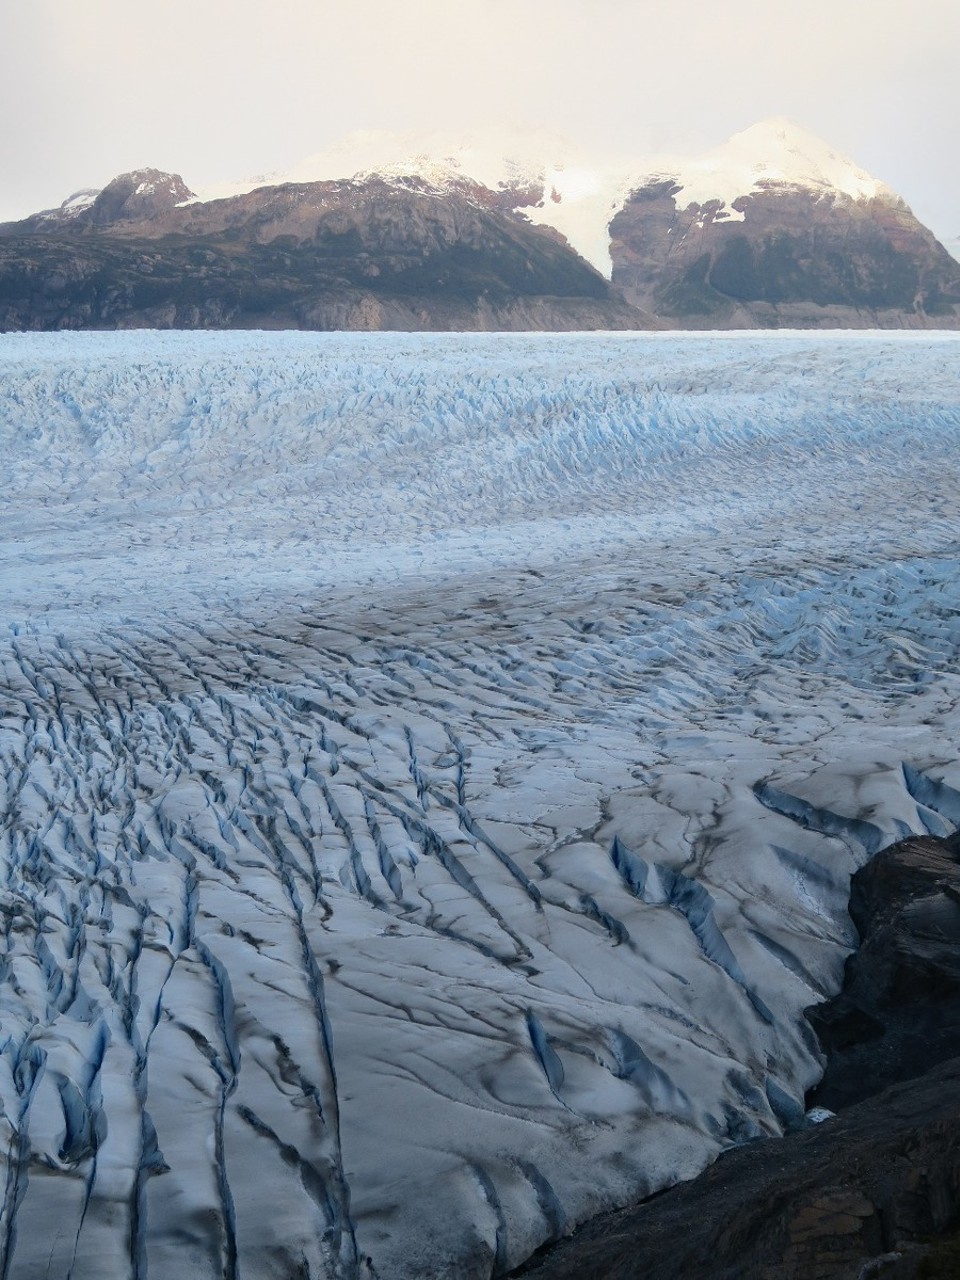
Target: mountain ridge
x,y
339,255
774,228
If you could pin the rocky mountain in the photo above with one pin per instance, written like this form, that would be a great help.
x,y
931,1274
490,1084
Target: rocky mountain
x,y
772,229
777,230
541,175
144,194
357,254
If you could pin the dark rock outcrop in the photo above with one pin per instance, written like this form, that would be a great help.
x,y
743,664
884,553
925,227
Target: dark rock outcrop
x,y
133,197
819,1205
872,1192
142,195
333,255
785,256
899,1011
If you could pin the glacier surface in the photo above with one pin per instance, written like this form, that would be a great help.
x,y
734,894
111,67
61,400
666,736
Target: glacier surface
x,y
431,768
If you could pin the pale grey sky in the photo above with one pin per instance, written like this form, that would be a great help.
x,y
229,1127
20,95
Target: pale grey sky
x,y
220,89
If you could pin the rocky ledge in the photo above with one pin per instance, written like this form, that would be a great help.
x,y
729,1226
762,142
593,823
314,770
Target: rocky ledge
x,y
871,1192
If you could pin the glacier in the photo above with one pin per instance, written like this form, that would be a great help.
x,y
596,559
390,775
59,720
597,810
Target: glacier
x,y
431,769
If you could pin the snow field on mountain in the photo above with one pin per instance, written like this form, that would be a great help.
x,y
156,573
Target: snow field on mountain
x,y
581,190
431,767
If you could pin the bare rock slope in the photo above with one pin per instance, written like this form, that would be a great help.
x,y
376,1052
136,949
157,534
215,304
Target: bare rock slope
x,y
797,260
776,230
335,255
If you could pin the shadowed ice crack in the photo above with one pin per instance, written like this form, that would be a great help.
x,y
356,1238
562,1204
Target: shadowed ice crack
x,y
658,885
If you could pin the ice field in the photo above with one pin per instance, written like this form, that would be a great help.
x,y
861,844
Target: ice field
x,y
431,768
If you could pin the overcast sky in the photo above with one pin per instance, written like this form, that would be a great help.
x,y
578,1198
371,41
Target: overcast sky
x,y
221,89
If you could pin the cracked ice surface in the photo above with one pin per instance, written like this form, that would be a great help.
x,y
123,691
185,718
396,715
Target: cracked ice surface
x,y
431,768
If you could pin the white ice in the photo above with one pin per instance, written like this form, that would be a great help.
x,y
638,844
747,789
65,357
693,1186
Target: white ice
x,y
431,768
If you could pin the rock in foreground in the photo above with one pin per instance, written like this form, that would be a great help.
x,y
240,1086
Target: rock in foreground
x,y
899,1012
873,1192
818,1205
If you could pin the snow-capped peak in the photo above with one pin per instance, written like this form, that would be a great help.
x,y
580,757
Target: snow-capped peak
x,y
487,157
554,183
773,151
577,193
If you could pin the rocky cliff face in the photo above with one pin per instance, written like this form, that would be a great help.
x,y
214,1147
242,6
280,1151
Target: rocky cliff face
x,y
899,1012
332,255
775,229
